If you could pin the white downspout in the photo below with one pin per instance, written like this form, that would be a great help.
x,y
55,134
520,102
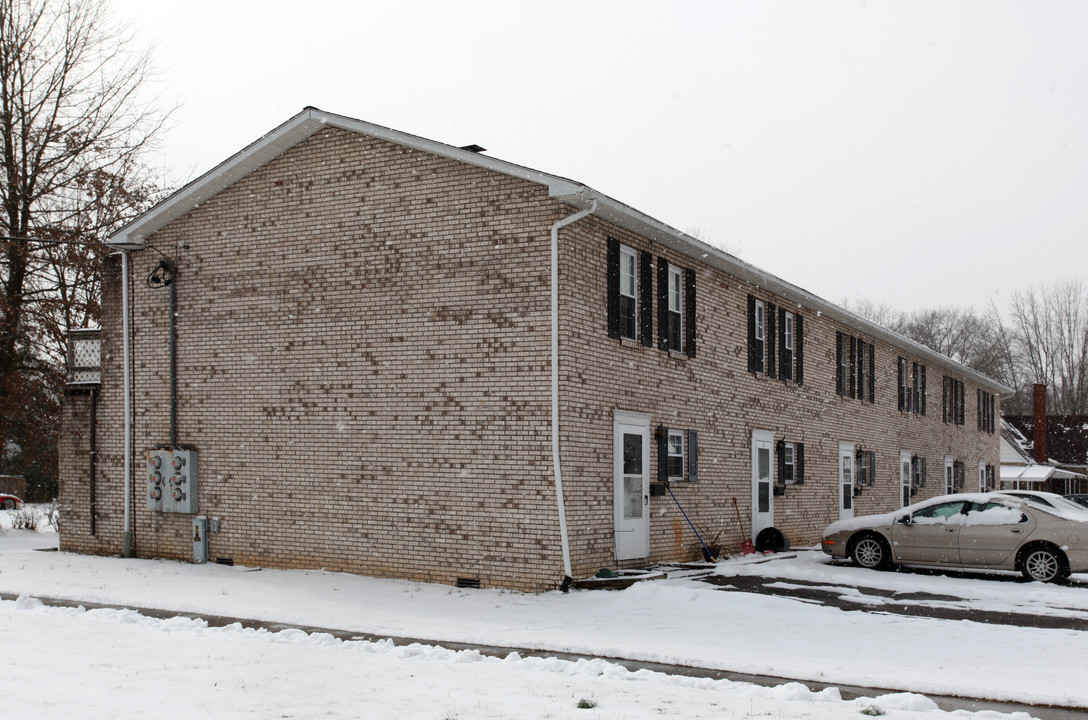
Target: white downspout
x,y
567,579
126,361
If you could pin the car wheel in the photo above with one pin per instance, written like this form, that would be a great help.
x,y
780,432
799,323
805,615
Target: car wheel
x,y
8,504
871,551
1044,564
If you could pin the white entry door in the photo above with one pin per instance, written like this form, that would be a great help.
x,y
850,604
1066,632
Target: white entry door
x,y
631,480
904,478
762,481
846,480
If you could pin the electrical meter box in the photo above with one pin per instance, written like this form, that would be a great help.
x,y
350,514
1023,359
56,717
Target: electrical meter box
x,y
172,480
157,477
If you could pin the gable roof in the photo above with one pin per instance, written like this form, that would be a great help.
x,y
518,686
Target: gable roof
x,y
310,121
1066,436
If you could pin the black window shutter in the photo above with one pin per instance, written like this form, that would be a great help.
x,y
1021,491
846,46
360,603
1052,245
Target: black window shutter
x,y
872,374
922,370
799,463
693,455
646,298
923,472
689,312
978,408
784,360
944,396
613,288
798,348
963,399
755,349
840,380
902,384
662,454
780,449
853,367
662,304
872,467
768,339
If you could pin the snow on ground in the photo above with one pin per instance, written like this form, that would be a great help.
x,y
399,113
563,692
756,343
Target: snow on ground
x,y
199,670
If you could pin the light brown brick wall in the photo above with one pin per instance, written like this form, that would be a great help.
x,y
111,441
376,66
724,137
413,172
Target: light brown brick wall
x,y
363,367
715,394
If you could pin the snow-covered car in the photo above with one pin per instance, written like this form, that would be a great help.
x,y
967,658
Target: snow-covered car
x,y
977,530
1048,499
10,502
1079,499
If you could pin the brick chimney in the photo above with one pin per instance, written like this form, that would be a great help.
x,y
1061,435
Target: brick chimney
x,y
1038,421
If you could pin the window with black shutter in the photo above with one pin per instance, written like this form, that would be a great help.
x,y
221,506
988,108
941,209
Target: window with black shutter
x,y
646,299
756,333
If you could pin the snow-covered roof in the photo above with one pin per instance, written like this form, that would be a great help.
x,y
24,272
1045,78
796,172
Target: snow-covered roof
x,y
310,121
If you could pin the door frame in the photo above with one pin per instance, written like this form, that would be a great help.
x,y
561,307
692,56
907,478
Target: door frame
x,y
905,479
631,535
761,520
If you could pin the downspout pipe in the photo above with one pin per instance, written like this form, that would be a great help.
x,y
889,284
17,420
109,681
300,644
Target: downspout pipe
x,y
557,468
126,362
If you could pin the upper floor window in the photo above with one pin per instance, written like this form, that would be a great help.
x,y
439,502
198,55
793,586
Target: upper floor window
x,y
674,315
628,288
855,374
912,387
630,293
985,411
953,400
775,341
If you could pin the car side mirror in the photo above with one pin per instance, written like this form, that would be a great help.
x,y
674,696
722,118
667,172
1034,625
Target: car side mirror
x,y
905,520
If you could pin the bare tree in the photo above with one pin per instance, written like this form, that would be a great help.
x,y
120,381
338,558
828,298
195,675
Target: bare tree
x,y
73,132
1050,332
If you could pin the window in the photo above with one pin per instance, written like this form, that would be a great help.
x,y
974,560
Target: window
x,y
866,468
628,287
630,293
674,314
675,308
675,461
953,401
854,367
786,321
775,341
912,387
757,331
677,455
985,411
917,472
791,463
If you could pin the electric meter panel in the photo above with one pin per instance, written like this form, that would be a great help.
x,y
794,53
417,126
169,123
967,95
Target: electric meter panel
x,y
158,462
172,480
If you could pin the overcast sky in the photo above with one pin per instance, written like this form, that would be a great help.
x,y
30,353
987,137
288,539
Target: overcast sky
x,y
915,153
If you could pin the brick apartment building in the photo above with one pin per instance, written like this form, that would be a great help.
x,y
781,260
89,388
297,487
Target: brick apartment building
x,y
364,345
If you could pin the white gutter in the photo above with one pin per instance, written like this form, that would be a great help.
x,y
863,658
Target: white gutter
x,y
126,361
567,578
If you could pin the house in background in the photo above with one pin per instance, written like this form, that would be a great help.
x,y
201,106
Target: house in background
x,y
352,348
1044,452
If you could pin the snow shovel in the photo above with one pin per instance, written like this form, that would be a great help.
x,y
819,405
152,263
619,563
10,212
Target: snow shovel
x,y
746,547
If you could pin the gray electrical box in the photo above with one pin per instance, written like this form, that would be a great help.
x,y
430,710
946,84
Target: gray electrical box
x,y
200,539
172,480
158,474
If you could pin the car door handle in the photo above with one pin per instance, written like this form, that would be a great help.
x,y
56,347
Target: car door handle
x,y
1016,530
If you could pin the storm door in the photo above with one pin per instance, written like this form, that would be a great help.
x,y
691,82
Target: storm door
x,y
846,480
904,478
762,481
631,484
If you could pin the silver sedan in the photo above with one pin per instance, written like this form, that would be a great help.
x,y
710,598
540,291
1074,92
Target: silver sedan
x,y
976,530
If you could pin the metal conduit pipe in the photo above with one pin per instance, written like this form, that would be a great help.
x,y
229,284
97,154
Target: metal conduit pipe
x,y
126,362
567,578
